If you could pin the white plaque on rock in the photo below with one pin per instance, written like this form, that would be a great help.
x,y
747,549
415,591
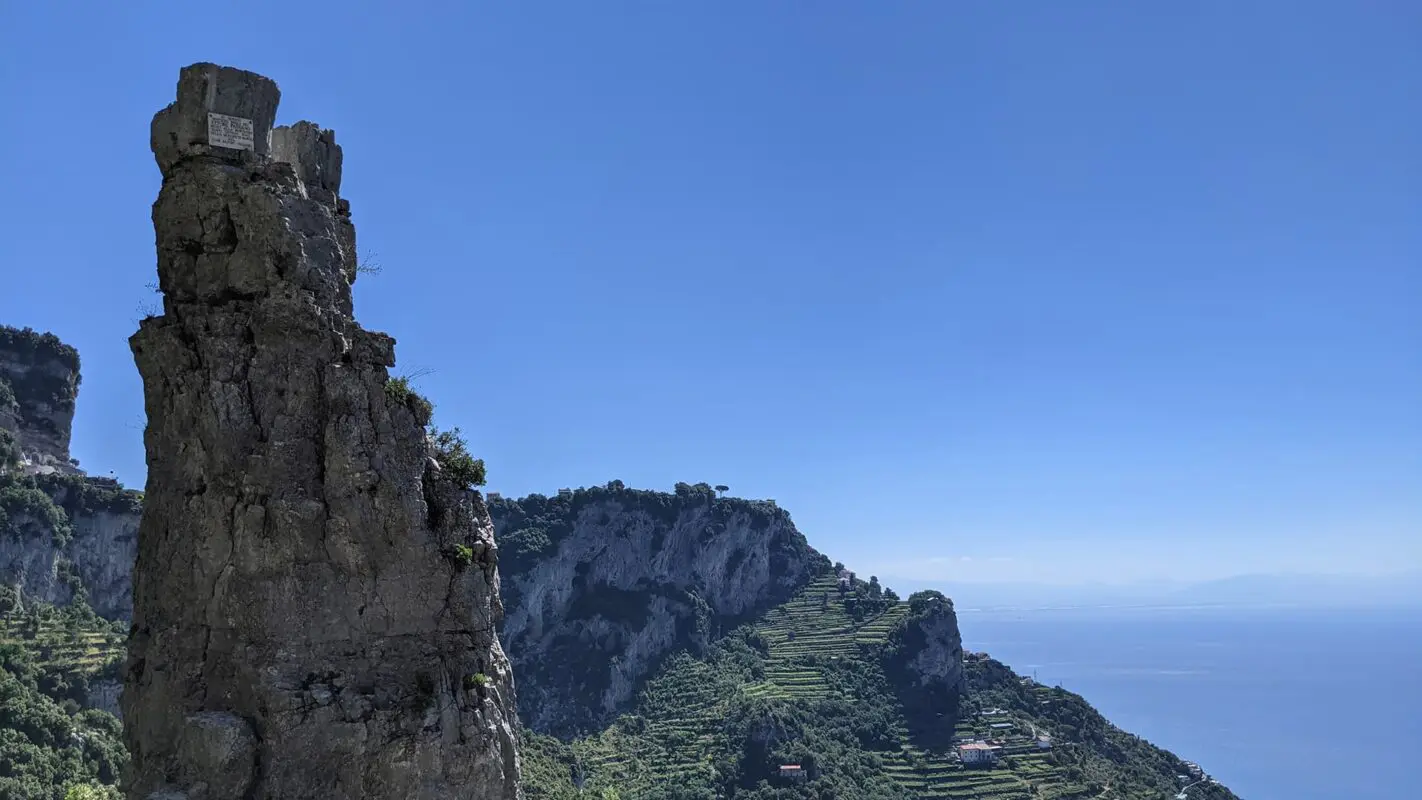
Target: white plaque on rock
x,y
231,132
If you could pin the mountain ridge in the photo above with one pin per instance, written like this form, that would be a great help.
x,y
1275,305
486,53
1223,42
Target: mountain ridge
x,y
716,716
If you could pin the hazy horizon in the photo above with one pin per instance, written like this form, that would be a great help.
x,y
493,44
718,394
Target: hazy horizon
x,y
1401,589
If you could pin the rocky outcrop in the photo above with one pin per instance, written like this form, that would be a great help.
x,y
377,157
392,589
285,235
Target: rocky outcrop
x,y
924,663
603,583
103,694
102,549
69,536
39,380
933,645
32,564
315,601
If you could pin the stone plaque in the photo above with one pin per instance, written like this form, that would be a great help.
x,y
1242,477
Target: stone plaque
x,y
231,132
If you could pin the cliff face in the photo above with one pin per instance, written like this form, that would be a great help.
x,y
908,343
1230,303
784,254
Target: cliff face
x,y
62,534
39,379
104,543
315,596
603,583
933,646
924,663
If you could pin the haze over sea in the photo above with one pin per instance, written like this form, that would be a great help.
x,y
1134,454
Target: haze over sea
x,y
1287,703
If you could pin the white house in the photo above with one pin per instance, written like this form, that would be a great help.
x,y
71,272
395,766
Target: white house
x,y
976,753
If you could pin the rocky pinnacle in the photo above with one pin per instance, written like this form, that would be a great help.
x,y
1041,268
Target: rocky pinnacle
x,y
314,605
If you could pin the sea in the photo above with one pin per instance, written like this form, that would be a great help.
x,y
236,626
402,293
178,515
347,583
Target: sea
x,y
1276,703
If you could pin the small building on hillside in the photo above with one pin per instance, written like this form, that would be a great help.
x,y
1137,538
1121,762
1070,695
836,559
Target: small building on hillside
x,y
1044,743
494,496
846,580
977,753
792,772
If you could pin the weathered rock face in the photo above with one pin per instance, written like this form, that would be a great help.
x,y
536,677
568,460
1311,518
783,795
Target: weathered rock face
x,y
925,662
102,550
314,605
39,379
104,694
935,654
32,561
78,535
603,583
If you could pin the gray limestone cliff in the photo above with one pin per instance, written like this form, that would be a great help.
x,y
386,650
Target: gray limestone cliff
x,y
603,583
924,661
932,644
315,599
39,380
63,535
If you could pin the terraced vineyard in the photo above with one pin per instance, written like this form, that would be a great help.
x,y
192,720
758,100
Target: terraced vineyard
x,y
59,646
677,735
814,625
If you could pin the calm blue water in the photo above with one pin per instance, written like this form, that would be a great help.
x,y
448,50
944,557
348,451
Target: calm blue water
x,y
1272,702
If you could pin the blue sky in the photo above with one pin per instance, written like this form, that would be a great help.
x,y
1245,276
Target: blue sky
x,y
979,291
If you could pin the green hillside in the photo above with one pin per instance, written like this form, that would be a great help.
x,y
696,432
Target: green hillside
x,y
69,645
818,682
50,747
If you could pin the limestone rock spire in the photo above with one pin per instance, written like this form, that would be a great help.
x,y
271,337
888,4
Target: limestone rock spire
x,y
314,604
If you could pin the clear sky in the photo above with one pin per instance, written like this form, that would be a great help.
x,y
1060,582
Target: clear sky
x,y
978,290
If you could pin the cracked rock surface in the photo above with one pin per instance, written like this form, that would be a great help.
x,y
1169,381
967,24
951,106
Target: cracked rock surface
x,y
298,630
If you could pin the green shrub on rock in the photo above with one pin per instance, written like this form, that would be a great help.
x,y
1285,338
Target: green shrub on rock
x,y
455,461
399,391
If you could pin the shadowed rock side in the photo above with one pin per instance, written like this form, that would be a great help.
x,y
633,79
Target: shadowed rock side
x,y
298,630
924,663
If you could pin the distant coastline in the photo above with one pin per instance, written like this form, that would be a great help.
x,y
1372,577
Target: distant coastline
x,y
1236,689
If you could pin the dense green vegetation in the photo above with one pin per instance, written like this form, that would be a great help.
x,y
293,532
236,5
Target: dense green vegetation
x,y
33,346
50,748
27,510
84,495
39,385
9,450
812,683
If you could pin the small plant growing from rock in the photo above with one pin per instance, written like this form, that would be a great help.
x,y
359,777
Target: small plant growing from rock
x,y
478,683
399,391
461,554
